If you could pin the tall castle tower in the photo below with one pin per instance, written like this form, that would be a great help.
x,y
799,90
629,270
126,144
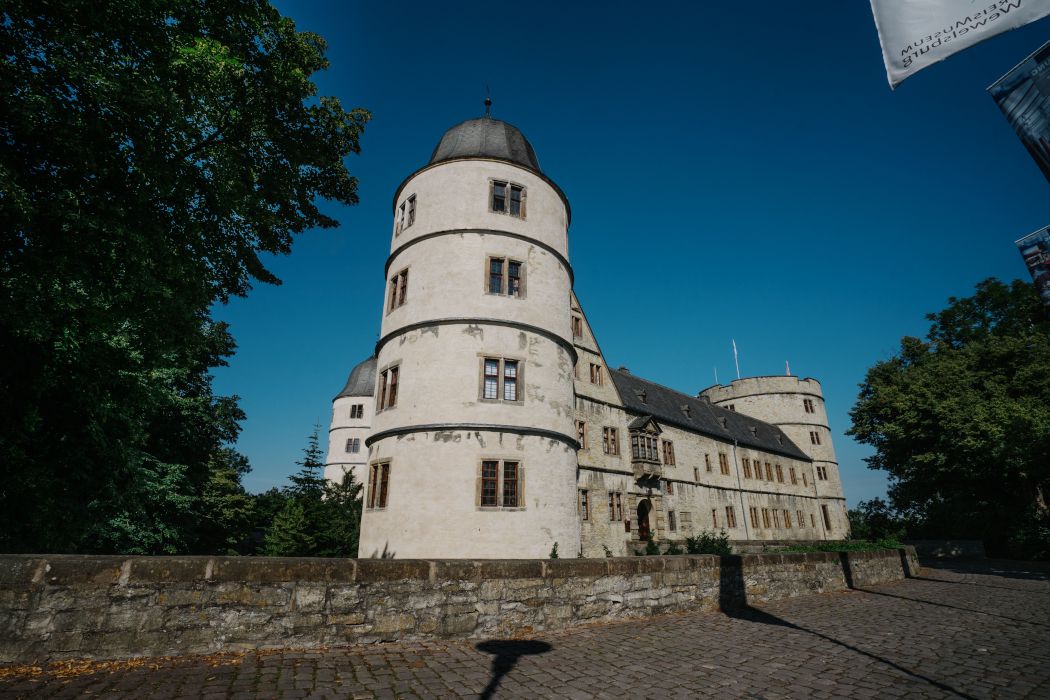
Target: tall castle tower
x,y
472,450
794,405
351,422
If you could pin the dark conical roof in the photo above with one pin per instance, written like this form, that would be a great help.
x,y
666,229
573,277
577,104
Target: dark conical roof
x,y
486,138
362,380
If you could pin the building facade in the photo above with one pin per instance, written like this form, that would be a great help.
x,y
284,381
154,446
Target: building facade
x,y
487,424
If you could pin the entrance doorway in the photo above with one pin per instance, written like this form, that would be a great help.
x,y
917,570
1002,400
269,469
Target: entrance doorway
x,y
644,508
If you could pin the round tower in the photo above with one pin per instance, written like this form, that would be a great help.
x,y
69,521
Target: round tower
x,y
351,422
472,451
796,406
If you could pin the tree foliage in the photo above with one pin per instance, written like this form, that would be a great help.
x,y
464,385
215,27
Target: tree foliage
x,y
961,420
151,153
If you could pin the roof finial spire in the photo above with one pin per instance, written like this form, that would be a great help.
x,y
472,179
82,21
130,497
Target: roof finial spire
x,y
488,103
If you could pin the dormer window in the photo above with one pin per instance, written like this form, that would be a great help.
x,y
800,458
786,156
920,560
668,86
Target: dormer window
x,y
507,198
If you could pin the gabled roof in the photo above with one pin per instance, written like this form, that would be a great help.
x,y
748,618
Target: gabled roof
x,y
642,421
701,416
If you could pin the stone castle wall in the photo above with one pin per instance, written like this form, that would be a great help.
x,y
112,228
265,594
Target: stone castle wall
x,y
66,606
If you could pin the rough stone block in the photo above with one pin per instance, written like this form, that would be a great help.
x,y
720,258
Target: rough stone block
x,y
73,570
380,570
148,570
510,569
309,597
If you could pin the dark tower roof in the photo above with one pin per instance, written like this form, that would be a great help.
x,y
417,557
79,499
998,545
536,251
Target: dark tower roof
x,y
486,138
362,380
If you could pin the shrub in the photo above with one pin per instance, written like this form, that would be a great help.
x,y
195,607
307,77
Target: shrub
x,y
674,548
709,543
651,548
554,551
608,552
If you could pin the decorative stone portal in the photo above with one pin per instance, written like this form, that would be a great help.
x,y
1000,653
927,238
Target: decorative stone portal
x,y
644,508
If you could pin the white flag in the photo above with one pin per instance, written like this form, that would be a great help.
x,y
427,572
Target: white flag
x,y
918,33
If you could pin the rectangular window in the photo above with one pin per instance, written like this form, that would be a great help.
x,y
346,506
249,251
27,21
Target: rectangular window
x,y
812,521
800,518
776,518
794,478
411,211
500,484
577,327
808,405
400,225
822,473
357,411
814,437
670,487
769,471
765,518
707,461
730,517
805,479
671,525
489,483
687,521
780,473
723,462
506,276
378,485
353,445
714,518
398,290
696,473
596,374
644,447
610,441
754,517
508,198
615,506
581,434
827,517
747,467
500,379
787,519
585,505
387,394
668,452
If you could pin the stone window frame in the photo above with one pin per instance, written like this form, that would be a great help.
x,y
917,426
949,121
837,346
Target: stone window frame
x,y
596,374
353,445
645,446
730,517
669,487
390,371
378,479
696,474
610,441
509,186
769,472
826,516
577,326
714,518
747,466
780,473
754,517
723,463
800,517
398,290
805,479
776,518
787,518
357,411
765,519
581,434
504,285
814,437
672,525
615,506
667,452
501,379
793,475
584,505
707,461
501,462
822,472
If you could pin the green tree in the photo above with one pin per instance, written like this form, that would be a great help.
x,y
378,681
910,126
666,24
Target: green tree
x,y
342,517
291,535
961,420
151,153
228,511
875,520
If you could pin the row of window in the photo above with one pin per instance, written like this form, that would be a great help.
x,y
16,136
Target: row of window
x,y
774,518
770,517
770,470
504,198
504,276
597,375
499,484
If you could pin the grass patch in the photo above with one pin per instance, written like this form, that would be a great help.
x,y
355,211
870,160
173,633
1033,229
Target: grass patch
x,y
844,546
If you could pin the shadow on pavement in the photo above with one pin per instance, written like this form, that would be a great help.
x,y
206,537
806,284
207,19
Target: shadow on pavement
x,y
506,653
1030,571
733,602
953,607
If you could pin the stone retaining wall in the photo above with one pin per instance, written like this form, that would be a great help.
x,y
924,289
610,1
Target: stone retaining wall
x,y
56,607
949,549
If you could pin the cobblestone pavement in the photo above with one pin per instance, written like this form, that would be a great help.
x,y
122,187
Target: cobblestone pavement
x,y
959,630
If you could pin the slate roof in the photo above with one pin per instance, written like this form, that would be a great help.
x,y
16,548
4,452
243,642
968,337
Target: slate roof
x,y
486,138
362,380
669,406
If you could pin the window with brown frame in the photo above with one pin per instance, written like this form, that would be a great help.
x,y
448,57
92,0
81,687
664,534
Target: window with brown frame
x,y
814,437
730,517
800,517
822,472
696,473
507,198
398,290
585,505
386,396
500,484
791,473
670,487
714,518
812,521
610,441
769,471
581,434
707,461
765,518
747,467
776,518
808,405
357,411
353,445
406,215
668,453
780,473
577,327
596,374
723,462
644,447
754,516
378,484
827,517
787,519
506,277
671,524
615,506
500,380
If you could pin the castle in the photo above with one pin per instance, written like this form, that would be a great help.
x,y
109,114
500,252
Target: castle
x,y
488,425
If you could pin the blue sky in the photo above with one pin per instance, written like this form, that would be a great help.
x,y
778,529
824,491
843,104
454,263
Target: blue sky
x,y
736,170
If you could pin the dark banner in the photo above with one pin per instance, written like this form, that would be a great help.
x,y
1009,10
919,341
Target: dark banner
x,y
1035,249
1024,96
